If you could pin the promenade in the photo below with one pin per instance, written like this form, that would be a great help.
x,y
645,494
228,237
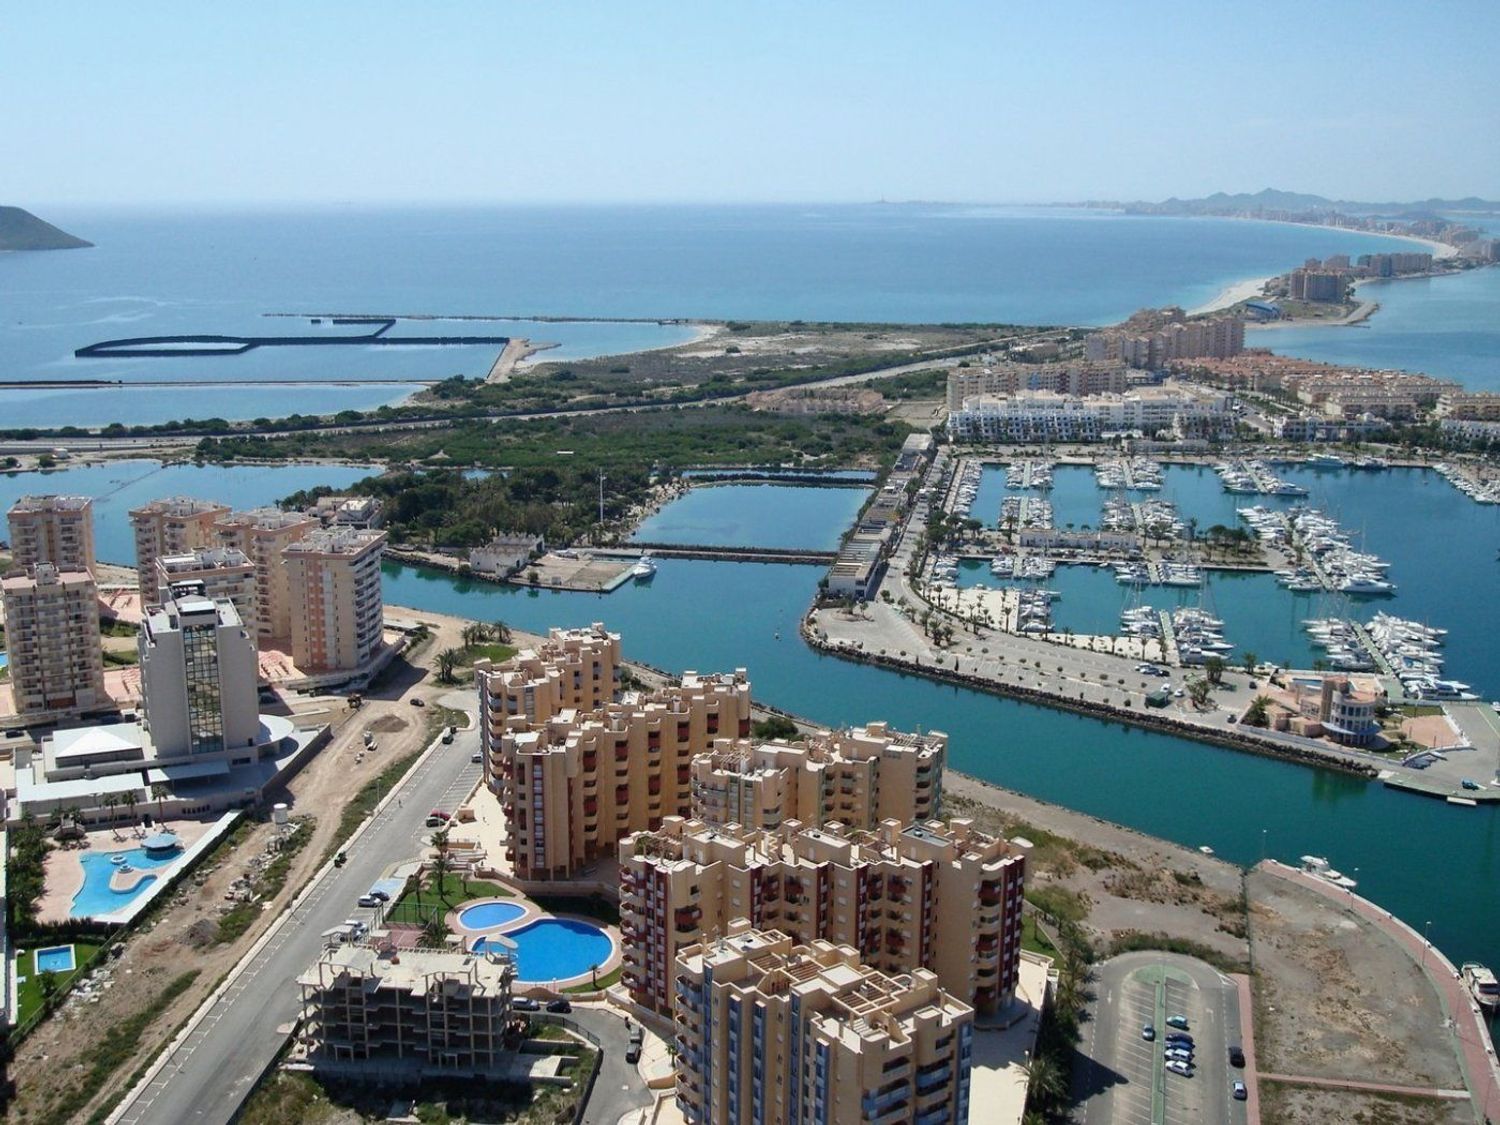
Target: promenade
x,y
1465,1020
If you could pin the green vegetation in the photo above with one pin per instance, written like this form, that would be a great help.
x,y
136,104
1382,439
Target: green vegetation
x,y
39,990
553,485
919,384
600,983
268,884
434,898
597,907
1133,940
480,642
773,727
122,658
363,803
117,1048
25,878
1057,903
1034,939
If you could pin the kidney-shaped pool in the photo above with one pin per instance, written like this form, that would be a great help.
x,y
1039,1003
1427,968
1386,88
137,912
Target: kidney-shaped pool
x,y
556,948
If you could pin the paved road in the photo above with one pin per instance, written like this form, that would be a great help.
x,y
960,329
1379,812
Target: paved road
x,y
212,1071
1120,1079
619,1088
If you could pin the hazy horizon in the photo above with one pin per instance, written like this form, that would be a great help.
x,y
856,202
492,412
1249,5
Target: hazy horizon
x,y
451,104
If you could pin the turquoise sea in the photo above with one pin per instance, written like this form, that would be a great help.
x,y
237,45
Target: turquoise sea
x,y
199,272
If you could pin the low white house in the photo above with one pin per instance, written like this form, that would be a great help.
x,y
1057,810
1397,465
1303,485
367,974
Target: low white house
x,y
505,554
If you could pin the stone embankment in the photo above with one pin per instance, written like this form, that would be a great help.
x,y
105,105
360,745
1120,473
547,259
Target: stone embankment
x,y
1149,720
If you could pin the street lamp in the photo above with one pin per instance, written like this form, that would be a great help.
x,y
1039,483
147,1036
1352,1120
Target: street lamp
x,y
1425,943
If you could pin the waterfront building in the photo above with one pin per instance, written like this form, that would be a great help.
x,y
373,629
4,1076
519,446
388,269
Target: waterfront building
x,y
574,777
1341,711
1044,416
943,897
1316,285
175,526
52,642
262,534
360,512
505,553
333,577
221,572
779,1033
437,1010
52,529
1075,379
1155,339
198,675
1474,406
858,778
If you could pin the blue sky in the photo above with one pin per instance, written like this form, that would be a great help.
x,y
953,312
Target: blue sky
x,y
1004,101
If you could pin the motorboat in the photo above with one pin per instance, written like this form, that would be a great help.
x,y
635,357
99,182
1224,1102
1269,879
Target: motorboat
x,y
644,569
1317,865
1481,983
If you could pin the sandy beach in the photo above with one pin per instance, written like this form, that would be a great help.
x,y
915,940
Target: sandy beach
x,y
1233,294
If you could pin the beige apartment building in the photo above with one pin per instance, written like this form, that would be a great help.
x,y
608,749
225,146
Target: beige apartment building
x,y
855,777
223,572
572,786
1075,379
572,670
176,526
53,529
52,641
262,534
774,1032
942,897
440,1010
337,610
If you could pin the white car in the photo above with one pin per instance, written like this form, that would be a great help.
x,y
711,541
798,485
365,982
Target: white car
x,y
1177,1066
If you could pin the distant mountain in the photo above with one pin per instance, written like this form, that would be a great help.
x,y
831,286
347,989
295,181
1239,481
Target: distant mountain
x,y
21,230
1270,199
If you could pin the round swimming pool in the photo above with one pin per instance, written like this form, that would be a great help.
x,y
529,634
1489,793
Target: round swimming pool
x,y
557,948
488,915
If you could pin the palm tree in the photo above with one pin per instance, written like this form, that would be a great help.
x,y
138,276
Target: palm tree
x,y
1046,1082
501,632
1258,713
594,975
1250,661
441,864
158,793
447,661
130,802
474,634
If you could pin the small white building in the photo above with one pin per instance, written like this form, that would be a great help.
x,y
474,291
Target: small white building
x,y
505,554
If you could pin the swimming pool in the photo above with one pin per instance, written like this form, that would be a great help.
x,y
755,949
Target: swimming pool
x,y
95,896
488,915
55,959
557,948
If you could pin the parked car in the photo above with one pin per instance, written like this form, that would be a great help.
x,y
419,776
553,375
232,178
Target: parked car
x,y
1240,1093
1148,1033
1236,1055
525,1004
633,1052
1179,1022
440,814
559,1005
434,822
476,757
415,702
1180,1037
368,900
1177,1066
380,896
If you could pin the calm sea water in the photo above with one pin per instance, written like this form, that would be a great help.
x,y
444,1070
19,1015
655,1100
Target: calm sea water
x,y
756,515
1442,550
1443,326
201,272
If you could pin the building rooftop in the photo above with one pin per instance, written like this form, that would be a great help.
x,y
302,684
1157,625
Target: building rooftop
x,y
335,541
50,502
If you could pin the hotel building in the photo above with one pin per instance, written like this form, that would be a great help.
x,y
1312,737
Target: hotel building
x,y
261,534
439,1010
52,641
337,609
220,572
176,526
53,529
855,777
773,1032
941,897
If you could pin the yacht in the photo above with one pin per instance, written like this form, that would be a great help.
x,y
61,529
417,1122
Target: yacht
x,y
1317,865
1481,983
644,569
1325,461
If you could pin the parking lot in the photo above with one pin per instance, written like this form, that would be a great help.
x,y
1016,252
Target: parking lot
x,y
1122,1078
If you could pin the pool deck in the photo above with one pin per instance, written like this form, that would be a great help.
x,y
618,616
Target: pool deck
x,y
63,867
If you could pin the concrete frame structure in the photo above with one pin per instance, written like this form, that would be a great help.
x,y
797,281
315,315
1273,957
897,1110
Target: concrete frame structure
x,y
776,1033
174,526
53,529
262,534
942,897
338,612
52,639
856,777
444,1010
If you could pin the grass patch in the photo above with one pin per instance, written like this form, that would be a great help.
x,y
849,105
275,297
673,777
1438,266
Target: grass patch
x,y
1050,853
494,651
127,658
363,803
416,908
31,994
289,1097
1059,903
116,1049
606,981
1034,939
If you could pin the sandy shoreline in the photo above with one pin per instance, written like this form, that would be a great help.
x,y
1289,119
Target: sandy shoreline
x,y
1231,295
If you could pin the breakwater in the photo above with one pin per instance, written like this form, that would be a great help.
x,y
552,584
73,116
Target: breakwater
x,y
805,557
1148,720
158,347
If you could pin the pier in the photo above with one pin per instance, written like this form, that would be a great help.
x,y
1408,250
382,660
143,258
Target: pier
x,y
159,347
727,554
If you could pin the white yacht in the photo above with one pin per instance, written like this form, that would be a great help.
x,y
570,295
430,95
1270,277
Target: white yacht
x,y
644,569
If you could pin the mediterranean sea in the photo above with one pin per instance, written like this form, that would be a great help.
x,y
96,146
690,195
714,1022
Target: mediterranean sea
x,y
201,272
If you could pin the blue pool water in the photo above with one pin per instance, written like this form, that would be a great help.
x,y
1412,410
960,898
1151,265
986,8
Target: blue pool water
x,y
95,896
2,660
487,915
558,948
56,959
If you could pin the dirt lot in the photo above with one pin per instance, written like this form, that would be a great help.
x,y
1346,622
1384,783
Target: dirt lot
x,y
1336,998
182,938
1304,1105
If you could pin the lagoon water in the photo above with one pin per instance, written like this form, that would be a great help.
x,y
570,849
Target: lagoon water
x,y
1420,858
756,515
206,272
